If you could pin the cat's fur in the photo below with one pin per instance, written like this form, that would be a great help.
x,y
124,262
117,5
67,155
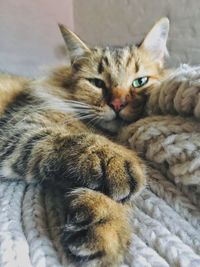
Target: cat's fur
x,y
41,138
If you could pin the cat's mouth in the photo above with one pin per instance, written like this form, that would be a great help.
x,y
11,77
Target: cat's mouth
x,y
112,121
104,117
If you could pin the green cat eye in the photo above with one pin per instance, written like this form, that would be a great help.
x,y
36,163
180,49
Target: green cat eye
x,y
140,82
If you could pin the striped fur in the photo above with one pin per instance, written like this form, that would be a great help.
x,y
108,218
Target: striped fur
x,y
55,130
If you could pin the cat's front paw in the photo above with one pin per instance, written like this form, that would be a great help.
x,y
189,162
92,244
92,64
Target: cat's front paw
x,y
109,168
96,229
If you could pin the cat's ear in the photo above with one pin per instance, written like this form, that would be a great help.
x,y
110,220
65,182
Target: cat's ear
x,y
74,44
155,41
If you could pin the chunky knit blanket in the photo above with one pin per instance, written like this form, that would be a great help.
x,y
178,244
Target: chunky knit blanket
x,y
166,216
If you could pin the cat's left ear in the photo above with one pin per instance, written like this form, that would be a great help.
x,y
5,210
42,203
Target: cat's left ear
x,y
155,41
74,44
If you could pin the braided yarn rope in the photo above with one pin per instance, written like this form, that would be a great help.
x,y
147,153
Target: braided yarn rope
x,y
166,217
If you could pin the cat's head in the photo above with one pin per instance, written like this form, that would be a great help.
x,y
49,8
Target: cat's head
x,y
110,83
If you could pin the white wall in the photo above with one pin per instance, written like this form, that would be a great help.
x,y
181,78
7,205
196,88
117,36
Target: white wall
x,y
126,21
30,39
29,36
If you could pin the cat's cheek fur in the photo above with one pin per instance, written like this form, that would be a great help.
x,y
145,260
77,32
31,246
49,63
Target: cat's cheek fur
x,y
108,113
131,113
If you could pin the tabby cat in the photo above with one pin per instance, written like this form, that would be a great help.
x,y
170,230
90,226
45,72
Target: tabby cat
x,y
63,128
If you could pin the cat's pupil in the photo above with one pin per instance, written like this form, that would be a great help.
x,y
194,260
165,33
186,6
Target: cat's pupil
x,y
140,82
97,82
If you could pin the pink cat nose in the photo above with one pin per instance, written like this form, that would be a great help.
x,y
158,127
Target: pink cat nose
x,y
117,104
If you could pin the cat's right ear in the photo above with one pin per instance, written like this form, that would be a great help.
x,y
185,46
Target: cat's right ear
x,y
74,44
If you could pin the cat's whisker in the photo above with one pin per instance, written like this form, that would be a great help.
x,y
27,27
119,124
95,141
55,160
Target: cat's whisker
x,y
53,106
85,117
80,107
76,102
94,120
77,106
79,116
71,108
83,111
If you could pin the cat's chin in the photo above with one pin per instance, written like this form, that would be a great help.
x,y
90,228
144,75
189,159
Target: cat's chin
x,y
112,126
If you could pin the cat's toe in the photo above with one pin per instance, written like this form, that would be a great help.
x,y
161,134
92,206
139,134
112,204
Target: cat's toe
x,y
125,176
83,245
103,244
82,209
96,229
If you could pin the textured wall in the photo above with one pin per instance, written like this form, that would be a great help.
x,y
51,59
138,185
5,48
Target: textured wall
x,y
126,21
29,36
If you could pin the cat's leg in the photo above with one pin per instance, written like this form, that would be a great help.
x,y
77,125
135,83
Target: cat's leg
x,y
72,160
97,231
